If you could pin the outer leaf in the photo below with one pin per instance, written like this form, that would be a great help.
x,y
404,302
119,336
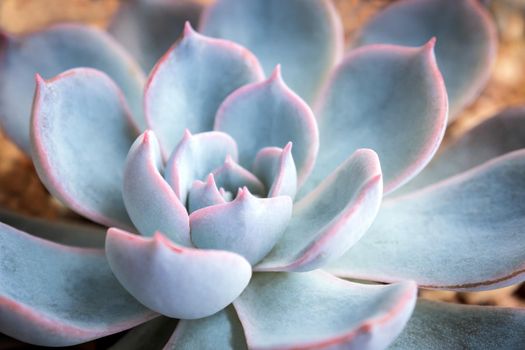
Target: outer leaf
x,y
220,331
72,234
494,137
147,29
466,40
306,37
55,295
270,114
315,310
49,53
391,99
276,168
150,201
332,218
248,226
195,157
465,233
176,98
442,326
81,134
176,281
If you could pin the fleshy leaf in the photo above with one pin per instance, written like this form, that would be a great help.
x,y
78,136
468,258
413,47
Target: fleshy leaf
x,y
220,331
82,298
189,83
204,194
147,29
333,217
50,52
445,236
81,134
248,226
276,169
173,280
365,99
151,335
195,157
232,176
391,99
306,37
494,137
151,203
443,326
72,234
270,114
316,310
466,40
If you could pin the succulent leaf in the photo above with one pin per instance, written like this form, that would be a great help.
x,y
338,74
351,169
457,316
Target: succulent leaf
x,y
81,133
220,331
151,203
54,295
494,137
204,194
50,52
276,169
231,176
466,40
248,226
306,37
444,326
190,81
195,157
71,234
391,99
270,114
332,313
333,217
465,233
147,29
176,281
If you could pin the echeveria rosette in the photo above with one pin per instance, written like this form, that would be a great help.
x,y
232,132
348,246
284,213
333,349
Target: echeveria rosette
x,y
267,313
148,197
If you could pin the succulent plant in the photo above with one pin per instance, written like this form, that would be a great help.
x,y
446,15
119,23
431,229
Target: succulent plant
x,y
241,191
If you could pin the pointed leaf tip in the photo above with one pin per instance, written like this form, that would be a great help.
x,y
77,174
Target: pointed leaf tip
x,y
39,80
276,74
431,43
188,29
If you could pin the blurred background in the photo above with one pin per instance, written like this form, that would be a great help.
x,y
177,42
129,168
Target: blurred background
x,y
21,190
